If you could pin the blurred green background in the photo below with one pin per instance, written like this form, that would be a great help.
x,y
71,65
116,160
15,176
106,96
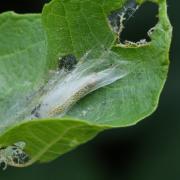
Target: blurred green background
x,y
148,151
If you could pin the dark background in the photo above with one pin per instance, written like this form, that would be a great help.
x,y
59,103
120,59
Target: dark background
x,y
148,151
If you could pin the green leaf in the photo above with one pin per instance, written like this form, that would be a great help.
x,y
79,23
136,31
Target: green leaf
x,y
22,69
22,62
30,50
83,26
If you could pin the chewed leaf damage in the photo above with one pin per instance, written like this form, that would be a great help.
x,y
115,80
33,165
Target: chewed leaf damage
x,y
13,155
134,23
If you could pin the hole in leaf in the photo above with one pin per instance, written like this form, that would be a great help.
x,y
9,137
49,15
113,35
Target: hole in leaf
x,y
116,17
137,27
13,155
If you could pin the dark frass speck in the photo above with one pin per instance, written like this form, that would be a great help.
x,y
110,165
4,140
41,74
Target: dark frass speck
x,y
67,62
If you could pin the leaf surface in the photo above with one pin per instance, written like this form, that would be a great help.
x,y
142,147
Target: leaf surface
x,y
30,48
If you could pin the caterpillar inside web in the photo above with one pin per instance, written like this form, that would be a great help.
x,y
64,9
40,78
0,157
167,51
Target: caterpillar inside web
x,y
66,88
74,79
